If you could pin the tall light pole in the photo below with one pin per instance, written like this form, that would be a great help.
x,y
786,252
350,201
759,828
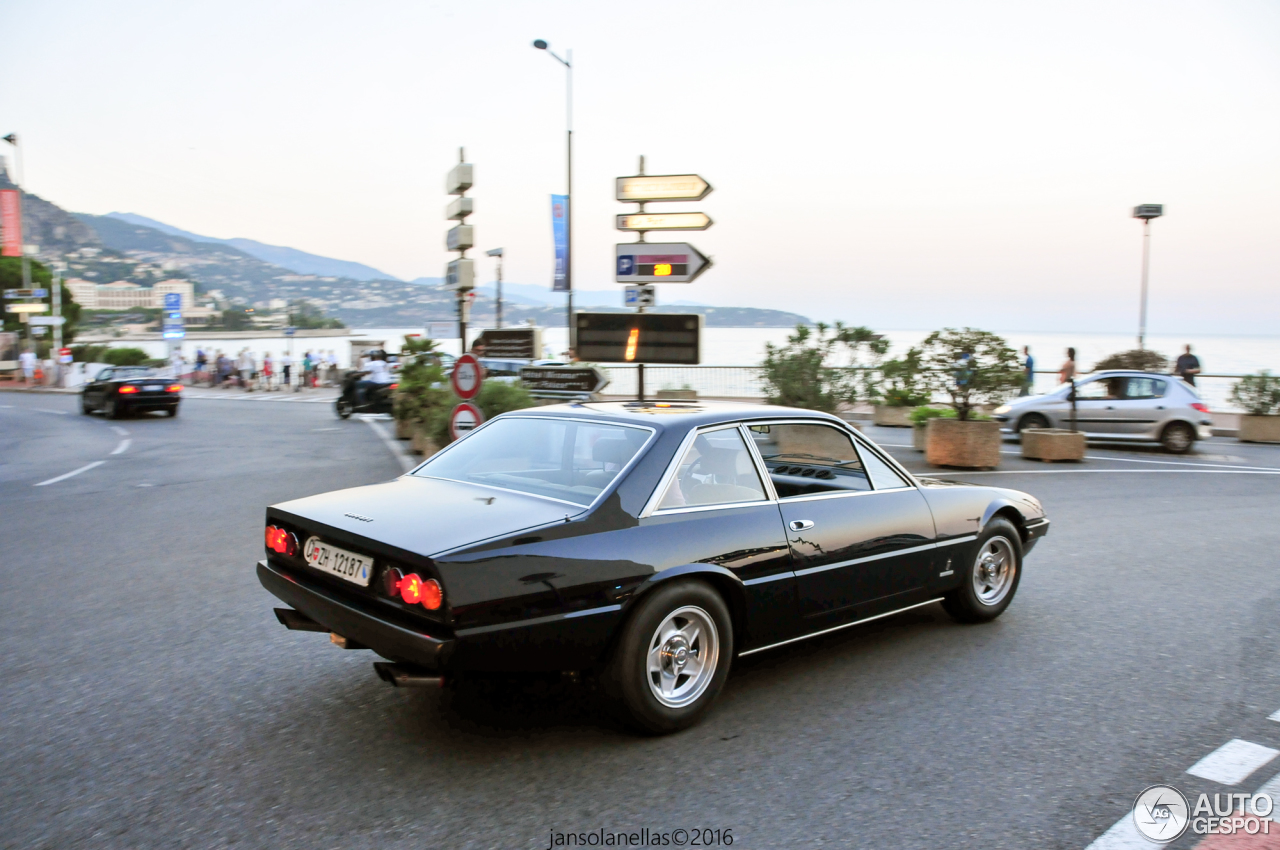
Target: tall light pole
x,y
567,62
1146,212
497,252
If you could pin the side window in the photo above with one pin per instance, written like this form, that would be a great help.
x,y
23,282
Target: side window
x,y
1096,390
804,459
716,470
1144,388
882,474
104,375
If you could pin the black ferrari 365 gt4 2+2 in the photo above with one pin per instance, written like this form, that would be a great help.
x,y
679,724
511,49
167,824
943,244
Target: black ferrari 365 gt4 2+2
x,y
646,544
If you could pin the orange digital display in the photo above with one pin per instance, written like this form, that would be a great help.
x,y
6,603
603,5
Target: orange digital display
x,y
662,269
632,341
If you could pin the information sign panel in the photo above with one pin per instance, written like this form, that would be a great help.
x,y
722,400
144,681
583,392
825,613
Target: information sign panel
x,y
659,338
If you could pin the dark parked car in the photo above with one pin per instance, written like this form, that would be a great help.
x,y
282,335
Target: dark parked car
x,y
646,544
120,390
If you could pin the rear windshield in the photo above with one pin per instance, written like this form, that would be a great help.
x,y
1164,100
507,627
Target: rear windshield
x,y
571,460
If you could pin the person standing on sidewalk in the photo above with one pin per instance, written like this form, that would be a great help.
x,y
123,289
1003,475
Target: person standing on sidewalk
x,y
1067,374
1028,371
286,368
266,372
28,360
1187,367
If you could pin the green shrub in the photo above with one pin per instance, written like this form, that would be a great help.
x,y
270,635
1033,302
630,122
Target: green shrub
x,y
89,353
903,382
815,371
125,356
970,367
494,399
921,415
1140,359
1258,394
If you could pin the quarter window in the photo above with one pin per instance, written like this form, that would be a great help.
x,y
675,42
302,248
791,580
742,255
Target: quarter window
x,y
882,474
804,458
716,470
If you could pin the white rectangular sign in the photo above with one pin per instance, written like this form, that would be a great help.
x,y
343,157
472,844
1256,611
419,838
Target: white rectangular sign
x,y
659,262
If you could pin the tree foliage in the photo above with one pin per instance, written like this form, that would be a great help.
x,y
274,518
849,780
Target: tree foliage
x,y
1258,394
41,278
125,356
822,367
1141,359
970,367
303,314
903,382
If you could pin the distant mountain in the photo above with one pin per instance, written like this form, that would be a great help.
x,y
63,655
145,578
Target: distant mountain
x,y
287,258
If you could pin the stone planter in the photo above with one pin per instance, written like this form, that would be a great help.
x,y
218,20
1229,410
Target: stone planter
x,y
918,436
422,442
1259,429
674,395
404,429
891,417
1052,444
971,445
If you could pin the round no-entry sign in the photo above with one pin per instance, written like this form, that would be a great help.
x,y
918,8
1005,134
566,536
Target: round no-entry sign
x,y
466,376
466,417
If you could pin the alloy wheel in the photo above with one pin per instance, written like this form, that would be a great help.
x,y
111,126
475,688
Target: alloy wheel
x,y
683,655
994,571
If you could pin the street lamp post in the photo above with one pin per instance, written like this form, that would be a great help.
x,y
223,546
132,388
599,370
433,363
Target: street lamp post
x,y
1146,212
497,252
567,62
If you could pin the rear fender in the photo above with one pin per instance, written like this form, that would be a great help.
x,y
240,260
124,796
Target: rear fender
x,y
728,585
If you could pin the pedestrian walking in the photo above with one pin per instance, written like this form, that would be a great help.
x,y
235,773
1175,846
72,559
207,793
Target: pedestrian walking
x,y
286,368
178,364
307,365
202,366
1028,371
1188,366
266,372
246,370
28,361
332,361
1067,374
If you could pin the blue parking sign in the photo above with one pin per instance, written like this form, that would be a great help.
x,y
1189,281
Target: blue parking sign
x,y
626,264
173,301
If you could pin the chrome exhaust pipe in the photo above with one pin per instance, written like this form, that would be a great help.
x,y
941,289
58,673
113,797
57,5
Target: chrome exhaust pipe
x,y
406,676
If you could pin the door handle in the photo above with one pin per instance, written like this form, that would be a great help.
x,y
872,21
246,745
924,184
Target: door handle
x,y
801,524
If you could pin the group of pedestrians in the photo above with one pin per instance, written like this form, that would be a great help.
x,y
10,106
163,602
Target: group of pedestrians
x,y
244,370
1186,367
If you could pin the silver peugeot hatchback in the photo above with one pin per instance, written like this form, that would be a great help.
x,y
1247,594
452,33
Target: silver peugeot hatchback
x,y
1118,405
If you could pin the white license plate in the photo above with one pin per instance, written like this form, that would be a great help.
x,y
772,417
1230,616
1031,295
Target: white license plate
x,y
357,569
153,388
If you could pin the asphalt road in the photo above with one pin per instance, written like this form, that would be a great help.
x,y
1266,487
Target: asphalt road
x,y
148,698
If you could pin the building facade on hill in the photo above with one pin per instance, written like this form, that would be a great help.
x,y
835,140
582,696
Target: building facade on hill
x,y
123,295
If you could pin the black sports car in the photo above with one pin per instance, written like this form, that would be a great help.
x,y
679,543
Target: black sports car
x,y
121,390
647,544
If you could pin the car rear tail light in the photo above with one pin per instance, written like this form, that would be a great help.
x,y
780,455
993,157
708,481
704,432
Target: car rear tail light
x,y
415,591
1203,408
279,540
395,386
173,388
127,389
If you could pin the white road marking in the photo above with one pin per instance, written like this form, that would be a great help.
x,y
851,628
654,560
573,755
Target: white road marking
x,y
1275,717
121,431
123,447
6,406
1127,459
1115,471
406,463
1272,789
84,468
1231,763
1123,835
47,410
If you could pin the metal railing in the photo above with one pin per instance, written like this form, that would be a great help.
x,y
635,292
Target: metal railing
x,y
747,382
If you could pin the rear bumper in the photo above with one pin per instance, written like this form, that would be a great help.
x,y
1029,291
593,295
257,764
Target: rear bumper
x,y
152,402
387,639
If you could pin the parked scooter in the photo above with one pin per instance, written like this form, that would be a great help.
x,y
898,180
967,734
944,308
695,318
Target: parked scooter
x,y
378,399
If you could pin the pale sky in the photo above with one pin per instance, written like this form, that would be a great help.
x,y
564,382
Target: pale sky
x,y
895,164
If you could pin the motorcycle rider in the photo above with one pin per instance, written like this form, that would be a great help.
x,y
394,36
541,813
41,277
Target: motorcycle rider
x,y
376,374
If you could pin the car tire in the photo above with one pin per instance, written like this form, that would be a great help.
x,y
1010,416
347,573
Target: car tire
x,y
111,409
990,579
343,408
1177,438
85,407
171,411
1032,420
674,625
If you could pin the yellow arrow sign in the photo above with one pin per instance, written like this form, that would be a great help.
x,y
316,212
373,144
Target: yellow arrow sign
x,y
662,187
664,221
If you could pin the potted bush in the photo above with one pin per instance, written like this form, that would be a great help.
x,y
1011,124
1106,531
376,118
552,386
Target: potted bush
x,y
967,367
1259,395
1052,444
495,398
423,390
820,371
902,387
919,418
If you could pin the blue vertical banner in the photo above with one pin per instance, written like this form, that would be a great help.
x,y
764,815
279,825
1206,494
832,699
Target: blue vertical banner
x,y
560,235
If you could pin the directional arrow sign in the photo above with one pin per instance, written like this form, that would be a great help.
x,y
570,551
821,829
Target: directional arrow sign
x,y
662,187
659,262
664,221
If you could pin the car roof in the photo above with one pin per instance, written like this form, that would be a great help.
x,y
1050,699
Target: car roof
x,y
1119,372
675,414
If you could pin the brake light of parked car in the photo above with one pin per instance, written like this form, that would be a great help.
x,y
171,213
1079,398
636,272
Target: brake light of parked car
x,y
416,591
128,389
279,540
1200,406
395,386
173,388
